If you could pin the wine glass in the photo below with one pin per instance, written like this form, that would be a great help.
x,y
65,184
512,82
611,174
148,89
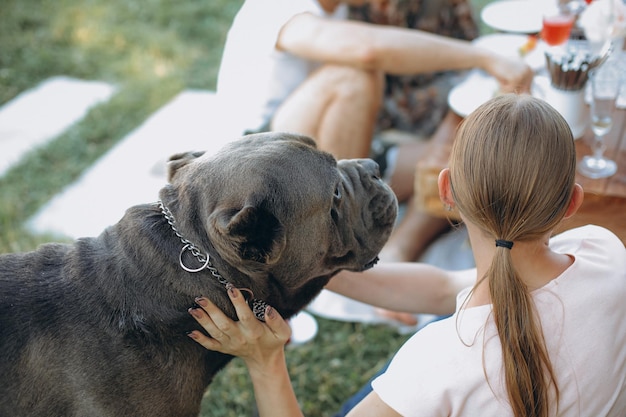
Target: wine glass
x,y
605,85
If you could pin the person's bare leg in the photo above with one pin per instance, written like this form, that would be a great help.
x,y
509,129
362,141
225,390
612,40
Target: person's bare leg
x,y
338,107
417,229
402,172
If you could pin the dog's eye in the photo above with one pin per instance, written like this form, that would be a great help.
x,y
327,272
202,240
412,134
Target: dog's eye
x,y
337,194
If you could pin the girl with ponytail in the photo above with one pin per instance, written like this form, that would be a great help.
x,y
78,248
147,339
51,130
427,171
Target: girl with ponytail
x,y
542,330
512,176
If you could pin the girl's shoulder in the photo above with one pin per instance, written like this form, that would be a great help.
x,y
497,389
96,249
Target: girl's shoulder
x,y
587,238
597,252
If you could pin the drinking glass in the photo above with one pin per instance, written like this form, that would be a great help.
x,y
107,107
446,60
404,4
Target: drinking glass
x,y
557,25
605,85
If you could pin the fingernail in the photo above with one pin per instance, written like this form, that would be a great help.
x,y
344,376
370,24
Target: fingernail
x,y
232,292
194,312
269,312
201,301
192,335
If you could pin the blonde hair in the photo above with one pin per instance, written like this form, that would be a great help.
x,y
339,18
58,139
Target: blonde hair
x,y
512,171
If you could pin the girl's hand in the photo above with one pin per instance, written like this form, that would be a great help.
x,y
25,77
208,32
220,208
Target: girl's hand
x,y
257,343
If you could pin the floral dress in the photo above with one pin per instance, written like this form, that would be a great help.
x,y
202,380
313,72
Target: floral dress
x,y
417,103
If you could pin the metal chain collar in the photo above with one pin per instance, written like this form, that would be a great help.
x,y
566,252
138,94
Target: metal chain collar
x,y
205,260
258,306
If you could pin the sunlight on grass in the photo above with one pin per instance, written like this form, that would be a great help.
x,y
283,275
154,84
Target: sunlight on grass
x,y
150,49
98,30
111,41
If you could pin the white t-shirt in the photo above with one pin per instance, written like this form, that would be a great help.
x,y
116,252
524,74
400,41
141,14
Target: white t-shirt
x,y
254,77
440,371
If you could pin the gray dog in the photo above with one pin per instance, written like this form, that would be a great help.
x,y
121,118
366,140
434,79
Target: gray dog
x,y
98,328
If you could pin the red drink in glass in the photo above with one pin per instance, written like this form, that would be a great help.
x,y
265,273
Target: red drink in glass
x,y
556,28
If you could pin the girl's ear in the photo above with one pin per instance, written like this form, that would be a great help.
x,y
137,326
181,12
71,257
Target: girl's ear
x,y
577,199
445,192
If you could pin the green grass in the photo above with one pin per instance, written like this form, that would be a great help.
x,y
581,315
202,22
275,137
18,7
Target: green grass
x,y
151,50
324,372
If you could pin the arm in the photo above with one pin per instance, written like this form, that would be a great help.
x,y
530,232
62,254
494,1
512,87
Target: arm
x,y
404,286
395,50
261,346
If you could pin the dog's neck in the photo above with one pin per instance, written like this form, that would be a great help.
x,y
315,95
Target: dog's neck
x,y
203,261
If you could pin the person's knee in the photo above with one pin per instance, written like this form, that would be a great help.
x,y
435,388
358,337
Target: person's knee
x,y
350,83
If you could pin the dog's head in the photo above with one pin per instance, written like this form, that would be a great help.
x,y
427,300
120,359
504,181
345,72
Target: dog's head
x,y
276,208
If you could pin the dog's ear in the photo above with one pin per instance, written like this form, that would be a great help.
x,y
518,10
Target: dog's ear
x,y
304,139
254,232
179,160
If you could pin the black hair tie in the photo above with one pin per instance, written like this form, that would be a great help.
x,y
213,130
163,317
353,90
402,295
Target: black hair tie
x,y
504,243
